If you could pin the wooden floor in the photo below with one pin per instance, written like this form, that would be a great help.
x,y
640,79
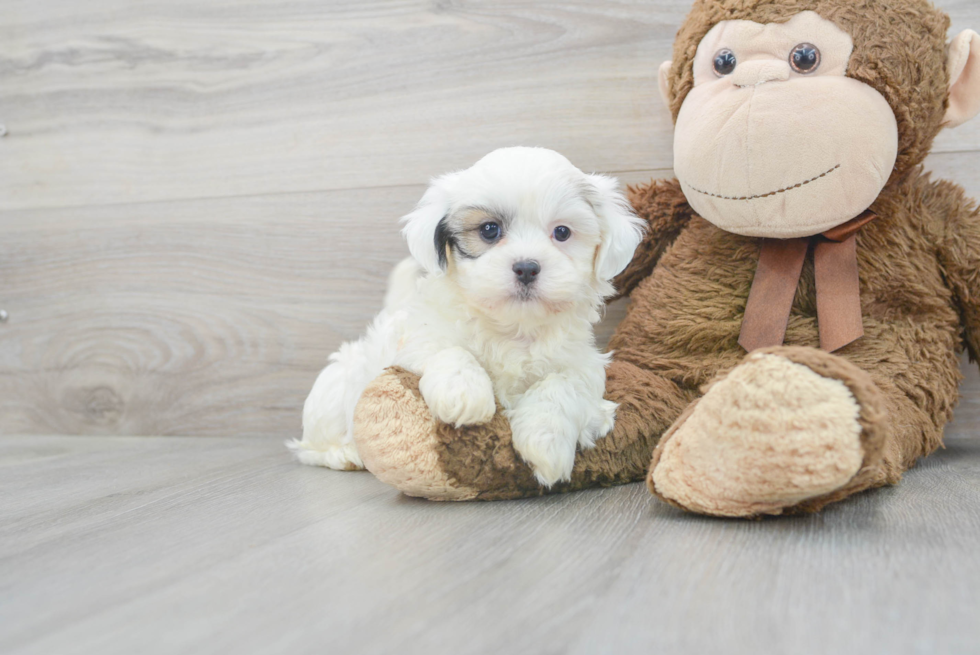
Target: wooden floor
x,y
224,545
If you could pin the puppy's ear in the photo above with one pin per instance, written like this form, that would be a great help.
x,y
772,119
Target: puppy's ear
x,y
620,229
425,229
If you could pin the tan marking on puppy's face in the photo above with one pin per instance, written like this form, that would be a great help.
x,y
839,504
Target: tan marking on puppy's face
x,y
472,227
464,233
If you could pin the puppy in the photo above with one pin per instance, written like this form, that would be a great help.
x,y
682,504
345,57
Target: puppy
x,y
511,263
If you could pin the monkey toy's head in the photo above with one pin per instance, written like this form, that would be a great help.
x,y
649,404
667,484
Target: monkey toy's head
x,y
792,116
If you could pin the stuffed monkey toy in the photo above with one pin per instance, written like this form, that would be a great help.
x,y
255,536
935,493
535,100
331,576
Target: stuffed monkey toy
x,y
804,290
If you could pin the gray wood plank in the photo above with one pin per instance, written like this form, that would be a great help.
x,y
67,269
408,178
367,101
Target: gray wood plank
x,y
209,545
195,317
210,314
111,101
207,318
204,317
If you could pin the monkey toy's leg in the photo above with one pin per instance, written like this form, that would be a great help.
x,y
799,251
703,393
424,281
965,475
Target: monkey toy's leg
x,y
403,446
790,429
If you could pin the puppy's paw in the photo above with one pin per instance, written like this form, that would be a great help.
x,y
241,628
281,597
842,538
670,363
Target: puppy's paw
x,y
457,389
465,398
600,424
547,443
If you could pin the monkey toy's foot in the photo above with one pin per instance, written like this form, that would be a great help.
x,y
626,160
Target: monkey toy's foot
x,y
789,429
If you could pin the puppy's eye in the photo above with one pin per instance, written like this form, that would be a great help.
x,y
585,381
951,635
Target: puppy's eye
x,y
805,58
725,62
490,232
562,233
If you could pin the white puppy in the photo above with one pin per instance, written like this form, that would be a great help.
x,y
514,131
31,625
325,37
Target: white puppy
x,y
511,262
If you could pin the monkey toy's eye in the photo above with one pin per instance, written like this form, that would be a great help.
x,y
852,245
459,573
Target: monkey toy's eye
x,y
725,62
562,233
805,58
490,232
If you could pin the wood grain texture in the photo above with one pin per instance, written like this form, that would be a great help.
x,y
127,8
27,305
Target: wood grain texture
x,y
110,101
197,317
198,202
209,545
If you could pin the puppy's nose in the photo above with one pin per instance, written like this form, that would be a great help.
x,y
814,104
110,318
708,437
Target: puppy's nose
x,y
527,271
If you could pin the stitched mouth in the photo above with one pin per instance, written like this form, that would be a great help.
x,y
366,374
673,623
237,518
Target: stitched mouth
x,y
771,193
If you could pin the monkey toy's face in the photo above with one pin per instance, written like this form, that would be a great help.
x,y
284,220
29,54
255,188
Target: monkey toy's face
x,y
774,140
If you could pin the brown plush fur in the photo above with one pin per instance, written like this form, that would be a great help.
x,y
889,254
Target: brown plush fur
x,y
685,317
689,281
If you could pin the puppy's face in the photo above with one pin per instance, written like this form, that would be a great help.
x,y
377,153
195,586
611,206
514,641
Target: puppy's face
x,y
532,252
524,233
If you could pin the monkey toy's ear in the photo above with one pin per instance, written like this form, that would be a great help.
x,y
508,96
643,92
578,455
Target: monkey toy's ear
x,y
664,76
963,64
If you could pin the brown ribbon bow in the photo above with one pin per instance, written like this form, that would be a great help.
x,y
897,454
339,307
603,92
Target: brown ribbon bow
x,y
838,288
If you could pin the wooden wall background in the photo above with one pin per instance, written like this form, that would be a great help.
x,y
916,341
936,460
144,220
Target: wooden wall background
x,y
198,200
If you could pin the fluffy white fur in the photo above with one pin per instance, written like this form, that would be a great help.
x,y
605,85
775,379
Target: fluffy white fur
x,y
474,333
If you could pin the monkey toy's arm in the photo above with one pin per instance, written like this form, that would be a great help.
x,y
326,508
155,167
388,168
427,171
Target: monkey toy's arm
x,y
959,252
662,206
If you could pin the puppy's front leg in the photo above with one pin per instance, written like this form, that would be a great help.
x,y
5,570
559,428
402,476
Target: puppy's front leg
x,y
547,424
457,389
